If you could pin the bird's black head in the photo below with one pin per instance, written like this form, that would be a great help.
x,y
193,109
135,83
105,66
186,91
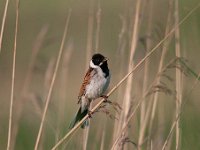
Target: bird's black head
x,y
98,59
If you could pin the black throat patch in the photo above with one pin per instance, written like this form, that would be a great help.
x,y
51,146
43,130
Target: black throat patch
x,y
105,69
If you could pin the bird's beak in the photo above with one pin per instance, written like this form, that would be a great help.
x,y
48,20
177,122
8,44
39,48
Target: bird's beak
x,y
105,59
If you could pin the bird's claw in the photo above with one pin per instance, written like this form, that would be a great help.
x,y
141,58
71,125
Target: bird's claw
x,y
90,114
105,98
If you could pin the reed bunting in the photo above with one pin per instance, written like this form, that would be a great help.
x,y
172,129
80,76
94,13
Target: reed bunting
x,y
94,85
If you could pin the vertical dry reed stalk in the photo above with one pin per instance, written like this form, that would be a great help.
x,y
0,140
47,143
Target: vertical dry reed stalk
x,y
52,82
143,111
89,47
3,23
48,75
132,53
25,89
13,78
121,48
122,43
135,109
178,115
127,96
153,50
163,54
47,82
178,74
124,79
118,138
63,84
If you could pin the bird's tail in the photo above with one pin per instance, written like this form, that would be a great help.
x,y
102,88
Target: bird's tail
x,y
79,116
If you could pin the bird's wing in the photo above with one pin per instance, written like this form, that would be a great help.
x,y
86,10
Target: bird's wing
x,y
86,81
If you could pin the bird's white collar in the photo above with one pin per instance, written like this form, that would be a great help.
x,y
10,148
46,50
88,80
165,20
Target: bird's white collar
x,y
92,65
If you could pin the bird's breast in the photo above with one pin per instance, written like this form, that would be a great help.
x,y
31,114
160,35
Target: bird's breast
x,y
96,87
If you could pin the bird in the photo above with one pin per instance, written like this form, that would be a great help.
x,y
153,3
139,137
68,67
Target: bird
x,y
95,84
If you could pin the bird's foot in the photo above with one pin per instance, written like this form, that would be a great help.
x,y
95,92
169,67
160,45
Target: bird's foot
x,y
105,98
90,114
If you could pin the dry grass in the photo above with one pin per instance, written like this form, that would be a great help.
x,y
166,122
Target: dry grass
x,y
147,103
179,77
127,96
102,100
144,111
52,82
13,76
25,93
179,114
121,81
3,23
158,80
89,51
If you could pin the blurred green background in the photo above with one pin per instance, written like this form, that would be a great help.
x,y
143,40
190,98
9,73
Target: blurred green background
x,y
50,15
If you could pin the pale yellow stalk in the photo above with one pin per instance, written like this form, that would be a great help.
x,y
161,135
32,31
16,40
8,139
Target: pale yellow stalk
x,y
89,50
52,83
178,75
127,96
10,124
25,89
122,80
163,54
3,23
64,73
144,111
